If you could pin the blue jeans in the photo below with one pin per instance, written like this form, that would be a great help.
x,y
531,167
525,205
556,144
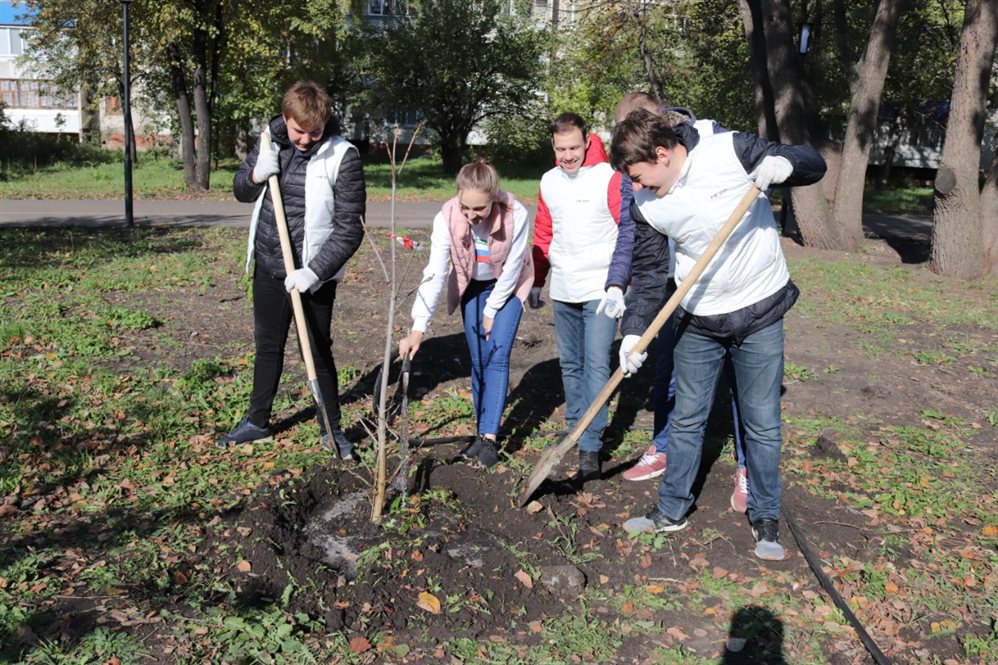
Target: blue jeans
x,y
664,395
584,340
489,357
758,365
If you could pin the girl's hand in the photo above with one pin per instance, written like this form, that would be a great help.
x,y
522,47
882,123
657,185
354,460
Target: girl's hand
x,y
408,346
487,325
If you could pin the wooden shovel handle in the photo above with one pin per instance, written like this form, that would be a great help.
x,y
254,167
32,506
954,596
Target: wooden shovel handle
x,y
670,306
289,264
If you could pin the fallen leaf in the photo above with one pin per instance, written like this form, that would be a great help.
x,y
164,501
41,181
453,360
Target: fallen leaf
x,y
990,531
428,602
359,644
524,578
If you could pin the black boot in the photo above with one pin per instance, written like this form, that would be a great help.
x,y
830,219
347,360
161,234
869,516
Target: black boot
x,y
589,467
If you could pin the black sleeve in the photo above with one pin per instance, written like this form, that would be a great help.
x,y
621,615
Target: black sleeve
x,y
243,187
808,164
350,201
650,276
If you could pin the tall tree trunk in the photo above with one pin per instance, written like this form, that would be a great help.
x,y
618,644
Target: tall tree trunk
x,y
958,232
183,101
989,218
765,108
201,106
796,119
637,14
452,151
871,72
203,165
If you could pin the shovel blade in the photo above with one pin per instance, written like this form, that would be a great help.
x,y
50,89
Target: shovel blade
x,y
548,461
320,406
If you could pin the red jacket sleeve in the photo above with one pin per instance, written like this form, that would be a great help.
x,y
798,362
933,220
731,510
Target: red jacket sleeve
x,y
613,196
542,241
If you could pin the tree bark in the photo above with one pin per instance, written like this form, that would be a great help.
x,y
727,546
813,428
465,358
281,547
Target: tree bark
x,y
203,150
958,233
452,151
202,111
871,72
795,116
183,102
765,108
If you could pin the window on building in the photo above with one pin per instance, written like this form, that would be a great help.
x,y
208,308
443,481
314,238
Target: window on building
x,y
387,7
12,41
31,94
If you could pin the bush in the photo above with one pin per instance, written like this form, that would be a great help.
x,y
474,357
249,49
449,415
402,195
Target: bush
x,y
518,143
23,150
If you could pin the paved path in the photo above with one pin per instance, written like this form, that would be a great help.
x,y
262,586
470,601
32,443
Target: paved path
x,y
41,213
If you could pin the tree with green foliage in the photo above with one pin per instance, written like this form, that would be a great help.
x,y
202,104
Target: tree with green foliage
x,y
456,62
195,56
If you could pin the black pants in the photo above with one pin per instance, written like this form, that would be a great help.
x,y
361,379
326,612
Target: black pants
x,y
272,314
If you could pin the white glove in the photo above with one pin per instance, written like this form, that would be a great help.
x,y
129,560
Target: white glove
x,y
266,166
612,303
534,299
302,279
631,362
772,170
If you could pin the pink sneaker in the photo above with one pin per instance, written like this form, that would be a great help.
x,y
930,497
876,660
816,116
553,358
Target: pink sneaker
x,y
739,498
651,465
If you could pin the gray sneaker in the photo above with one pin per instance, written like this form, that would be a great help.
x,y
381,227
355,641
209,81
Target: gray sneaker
x,y
344,444
766,532
654,522
244,432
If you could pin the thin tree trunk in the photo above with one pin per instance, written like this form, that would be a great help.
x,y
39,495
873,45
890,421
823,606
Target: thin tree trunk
x,y
793,111
765,108
653,80
958,232
183,102
871,72
203,168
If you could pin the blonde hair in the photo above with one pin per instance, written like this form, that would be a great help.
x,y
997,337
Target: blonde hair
x,y
307,103
479,175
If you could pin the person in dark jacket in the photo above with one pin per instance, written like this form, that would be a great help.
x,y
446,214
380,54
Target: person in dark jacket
x,y
652,463
685,186
324,195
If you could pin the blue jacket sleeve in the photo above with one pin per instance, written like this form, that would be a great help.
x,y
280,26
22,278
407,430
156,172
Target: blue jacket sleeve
x,y
808,164
650,279
619,273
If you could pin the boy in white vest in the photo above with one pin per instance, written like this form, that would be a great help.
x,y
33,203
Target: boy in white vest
x,y
685,186
324,196
575,231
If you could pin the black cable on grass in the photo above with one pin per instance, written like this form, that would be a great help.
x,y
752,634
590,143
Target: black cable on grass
x,y
827,585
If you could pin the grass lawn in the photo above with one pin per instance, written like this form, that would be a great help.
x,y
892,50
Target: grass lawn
x,y
110,397
422,179
158,177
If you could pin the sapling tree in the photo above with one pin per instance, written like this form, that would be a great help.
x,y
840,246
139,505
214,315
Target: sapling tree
x,y
390,272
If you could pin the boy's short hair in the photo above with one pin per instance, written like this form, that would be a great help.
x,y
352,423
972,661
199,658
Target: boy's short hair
x,y
637,136
479,175
633,101
307,103
566,122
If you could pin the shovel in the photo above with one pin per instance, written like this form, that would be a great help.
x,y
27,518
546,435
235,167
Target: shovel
x,y
300,325
553,455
